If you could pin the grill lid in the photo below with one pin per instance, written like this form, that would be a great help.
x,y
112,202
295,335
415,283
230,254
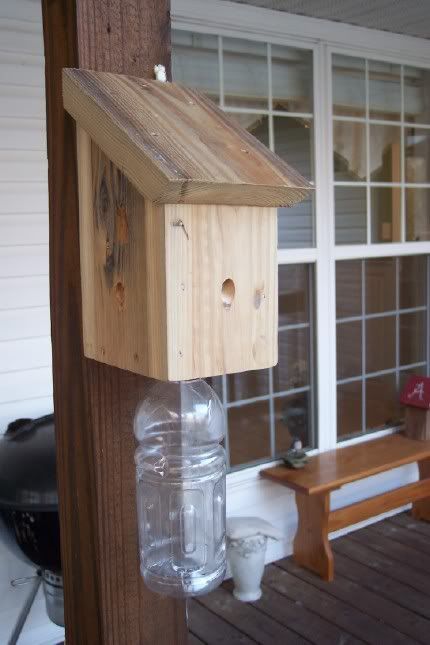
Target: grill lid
x,y
27,465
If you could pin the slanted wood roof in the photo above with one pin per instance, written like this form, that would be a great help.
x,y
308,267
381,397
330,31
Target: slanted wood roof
x,y
175,145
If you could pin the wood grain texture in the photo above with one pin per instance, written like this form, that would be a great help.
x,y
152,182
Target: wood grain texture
x,y
153,300
175,145
417,423
311,545
379,504
421,508
124,265
105,599
334,468
213,329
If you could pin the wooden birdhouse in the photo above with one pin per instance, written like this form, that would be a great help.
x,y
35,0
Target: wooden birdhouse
x,y
178,229
416,398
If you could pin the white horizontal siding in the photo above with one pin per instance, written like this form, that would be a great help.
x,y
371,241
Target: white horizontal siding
x,y
25,347
25,344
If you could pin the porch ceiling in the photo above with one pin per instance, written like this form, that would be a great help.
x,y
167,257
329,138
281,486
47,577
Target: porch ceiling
x,y
411,18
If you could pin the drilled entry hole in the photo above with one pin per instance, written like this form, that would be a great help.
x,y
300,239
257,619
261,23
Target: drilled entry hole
x,y
227,292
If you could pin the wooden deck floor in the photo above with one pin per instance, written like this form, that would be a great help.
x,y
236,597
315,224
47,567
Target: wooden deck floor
x,y
381,595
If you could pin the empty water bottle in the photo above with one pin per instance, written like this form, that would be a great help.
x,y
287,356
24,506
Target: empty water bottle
x,y
180,468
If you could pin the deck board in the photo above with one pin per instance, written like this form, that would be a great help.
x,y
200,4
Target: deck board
x,y
380,594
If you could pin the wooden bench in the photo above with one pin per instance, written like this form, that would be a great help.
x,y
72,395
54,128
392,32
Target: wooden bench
x,y
331,470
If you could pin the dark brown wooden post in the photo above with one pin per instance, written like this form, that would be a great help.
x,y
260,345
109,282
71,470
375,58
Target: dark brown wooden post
x,y
105,599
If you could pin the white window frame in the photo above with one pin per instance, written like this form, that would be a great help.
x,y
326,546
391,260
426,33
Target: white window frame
x,y
324,38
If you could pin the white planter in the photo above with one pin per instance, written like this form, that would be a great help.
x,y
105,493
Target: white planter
x,y
246,558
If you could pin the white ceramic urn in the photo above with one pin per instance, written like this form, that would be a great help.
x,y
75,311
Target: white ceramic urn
x,y
246,550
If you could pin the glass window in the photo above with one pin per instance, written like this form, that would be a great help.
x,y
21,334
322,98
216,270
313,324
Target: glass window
x,y
373,147
382,320
349,86
195,61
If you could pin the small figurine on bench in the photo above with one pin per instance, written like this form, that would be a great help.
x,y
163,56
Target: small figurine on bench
x,y
295,457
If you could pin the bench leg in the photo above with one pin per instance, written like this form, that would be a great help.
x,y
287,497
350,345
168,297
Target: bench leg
x,y
311,545
421,509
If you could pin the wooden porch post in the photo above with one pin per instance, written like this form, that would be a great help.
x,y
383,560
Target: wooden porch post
x,y
105,599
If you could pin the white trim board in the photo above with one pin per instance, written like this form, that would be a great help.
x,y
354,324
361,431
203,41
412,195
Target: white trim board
x,y
229,18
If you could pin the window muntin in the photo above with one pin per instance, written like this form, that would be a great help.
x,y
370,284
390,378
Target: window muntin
x,y
380,153
386,201
382,335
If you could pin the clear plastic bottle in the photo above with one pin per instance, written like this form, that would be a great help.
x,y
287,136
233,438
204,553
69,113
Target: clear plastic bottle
x,y
180,468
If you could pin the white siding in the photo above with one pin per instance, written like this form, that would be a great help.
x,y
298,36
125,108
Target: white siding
x,y
25,346
25,349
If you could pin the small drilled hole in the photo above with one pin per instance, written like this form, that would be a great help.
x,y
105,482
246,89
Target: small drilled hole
x,y
227,292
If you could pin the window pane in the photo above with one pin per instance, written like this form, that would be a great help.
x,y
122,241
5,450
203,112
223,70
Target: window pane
x,y
350,215
292,419
256,124
413,281
384,153
292,79
247,385
392,341
349,409
249,433
349,86
293,143
380,344
348,288
195,61
417,214
382,405
293,285
417,94
349,151
385,214
417,155
413,346
292,370
380,285
349,349
296,225
245,73
384,91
